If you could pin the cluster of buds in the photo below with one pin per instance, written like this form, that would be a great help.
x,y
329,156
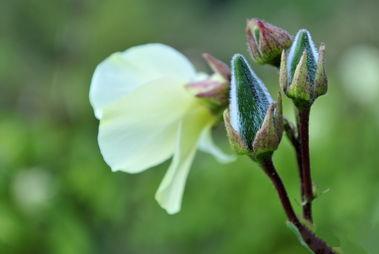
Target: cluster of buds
x,y
302,70
266,41
253,120
214,89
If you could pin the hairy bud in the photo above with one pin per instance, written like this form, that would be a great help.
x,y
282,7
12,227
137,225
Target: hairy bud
x,y
302,70
253,120
266,42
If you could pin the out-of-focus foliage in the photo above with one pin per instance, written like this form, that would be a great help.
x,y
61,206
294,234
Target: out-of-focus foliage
x,y
58,196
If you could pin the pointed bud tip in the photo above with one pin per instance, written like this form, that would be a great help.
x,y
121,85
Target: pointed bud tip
x,y
261,24
253,22
238,61
303,36
283,76
304,32
237,57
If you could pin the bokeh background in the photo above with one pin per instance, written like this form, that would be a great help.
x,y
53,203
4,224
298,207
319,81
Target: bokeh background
x,y
58,196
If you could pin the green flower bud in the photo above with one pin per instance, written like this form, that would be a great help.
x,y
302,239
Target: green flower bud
x,y
266,42
302,70
253,120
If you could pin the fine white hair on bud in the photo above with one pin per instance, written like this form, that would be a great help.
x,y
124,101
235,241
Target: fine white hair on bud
x,y
243,80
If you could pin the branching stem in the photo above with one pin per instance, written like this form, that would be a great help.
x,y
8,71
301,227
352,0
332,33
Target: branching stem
x,y
317,245
293,137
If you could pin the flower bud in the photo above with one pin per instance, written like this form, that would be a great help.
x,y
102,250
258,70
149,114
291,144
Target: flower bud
x,y
253,121
266,42
302,71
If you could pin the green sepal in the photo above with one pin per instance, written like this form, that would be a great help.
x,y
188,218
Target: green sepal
x,y
269,135
234,138
283,73
321,81
301,89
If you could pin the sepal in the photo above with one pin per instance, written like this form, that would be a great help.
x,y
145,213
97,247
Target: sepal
x,y
270,134
300,89
321,82
235,139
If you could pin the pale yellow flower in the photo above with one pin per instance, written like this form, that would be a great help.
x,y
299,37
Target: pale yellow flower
x,y
147,116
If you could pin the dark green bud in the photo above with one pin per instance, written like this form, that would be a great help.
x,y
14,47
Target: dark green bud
x,y
253,120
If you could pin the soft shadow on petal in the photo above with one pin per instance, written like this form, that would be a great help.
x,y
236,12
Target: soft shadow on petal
x,y
123,72
207,145
170,192
139,131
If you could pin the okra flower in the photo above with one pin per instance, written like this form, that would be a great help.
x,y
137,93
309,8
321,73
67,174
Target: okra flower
x,y
147,116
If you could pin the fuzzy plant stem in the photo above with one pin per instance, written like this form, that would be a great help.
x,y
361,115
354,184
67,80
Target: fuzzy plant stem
x,y
306,179
317,245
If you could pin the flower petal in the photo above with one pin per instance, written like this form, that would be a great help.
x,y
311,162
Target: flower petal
x,y
207,145
139,131
123,72
170,192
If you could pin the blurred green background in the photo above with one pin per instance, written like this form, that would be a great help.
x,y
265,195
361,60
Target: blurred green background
x,y
58,196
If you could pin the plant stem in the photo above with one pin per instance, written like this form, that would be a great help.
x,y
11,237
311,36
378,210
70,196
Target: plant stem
x,y
271,172
306,179
292,136
317,245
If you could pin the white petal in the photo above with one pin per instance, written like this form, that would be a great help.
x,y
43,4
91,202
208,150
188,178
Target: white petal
x,y
207,145
140,130
170,192
123,72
